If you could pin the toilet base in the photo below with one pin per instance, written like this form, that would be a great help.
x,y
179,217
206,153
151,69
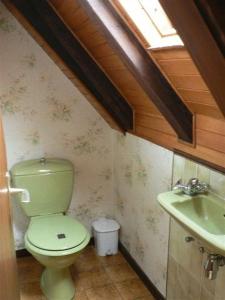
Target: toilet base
x,y
57,284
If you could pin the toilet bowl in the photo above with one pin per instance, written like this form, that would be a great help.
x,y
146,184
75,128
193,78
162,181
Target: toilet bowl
x,y
56,248
53,238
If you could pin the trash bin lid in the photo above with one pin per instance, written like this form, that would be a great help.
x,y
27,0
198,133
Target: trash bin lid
x,y
105,225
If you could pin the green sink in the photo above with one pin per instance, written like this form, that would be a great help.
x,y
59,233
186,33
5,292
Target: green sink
x,y
203,215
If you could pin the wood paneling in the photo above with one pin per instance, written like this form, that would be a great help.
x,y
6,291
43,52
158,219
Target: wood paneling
x,y
213,13
178,66
169,52
144,109
156,136
157,123
210,140
210,124
197,96
208,110
194,82
138,62
201,41
183,75
103,52
203,152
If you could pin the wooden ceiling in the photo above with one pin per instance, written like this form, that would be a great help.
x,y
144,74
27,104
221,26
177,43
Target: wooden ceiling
x,y
179,68
137,61
201,43
175,63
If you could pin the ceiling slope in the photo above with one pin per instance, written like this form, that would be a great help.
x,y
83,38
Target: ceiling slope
x,y
45,20
213,13
180,70
176,65
202,42
140,64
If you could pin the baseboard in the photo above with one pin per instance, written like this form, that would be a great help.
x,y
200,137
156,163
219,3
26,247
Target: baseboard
x,y
147,282
92,241
22,253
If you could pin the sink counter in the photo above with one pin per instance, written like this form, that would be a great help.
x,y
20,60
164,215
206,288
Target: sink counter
x,y
202,214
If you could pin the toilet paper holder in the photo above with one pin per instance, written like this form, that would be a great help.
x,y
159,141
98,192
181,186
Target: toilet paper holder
x,y
25,194
14,191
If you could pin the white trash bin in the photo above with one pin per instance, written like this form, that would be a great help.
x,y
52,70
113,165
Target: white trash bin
x,y
106,232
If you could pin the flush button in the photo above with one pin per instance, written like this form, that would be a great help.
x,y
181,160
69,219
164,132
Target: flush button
x,y
61,236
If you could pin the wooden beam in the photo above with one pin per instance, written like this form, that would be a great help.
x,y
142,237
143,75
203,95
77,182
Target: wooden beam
x,y
201,43
137,60
45,20
213,12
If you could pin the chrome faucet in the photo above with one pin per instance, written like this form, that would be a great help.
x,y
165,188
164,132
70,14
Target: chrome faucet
x,y
212,264
193,187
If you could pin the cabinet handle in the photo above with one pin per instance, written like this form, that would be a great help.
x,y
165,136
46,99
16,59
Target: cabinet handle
x,y
189,239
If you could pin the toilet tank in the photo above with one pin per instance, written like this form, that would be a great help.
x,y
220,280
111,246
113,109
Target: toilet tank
x,y
49,182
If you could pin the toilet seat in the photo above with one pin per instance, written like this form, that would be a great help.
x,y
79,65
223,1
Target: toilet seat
x,y
55,235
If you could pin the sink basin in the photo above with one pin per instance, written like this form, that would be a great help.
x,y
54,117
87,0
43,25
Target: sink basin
x,y
203,215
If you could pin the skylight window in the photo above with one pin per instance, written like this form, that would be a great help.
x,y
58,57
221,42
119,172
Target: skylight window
x,y
152,22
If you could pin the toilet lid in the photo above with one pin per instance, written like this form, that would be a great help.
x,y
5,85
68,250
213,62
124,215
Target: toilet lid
x,y
56,232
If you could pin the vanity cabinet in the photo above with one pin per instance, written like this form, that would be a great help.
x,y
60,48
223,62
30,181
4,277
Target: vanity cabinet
x,y
186,278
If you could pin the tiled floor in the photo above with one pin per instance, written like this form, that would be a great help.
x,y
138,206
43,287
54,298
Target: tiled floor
x,y
95,278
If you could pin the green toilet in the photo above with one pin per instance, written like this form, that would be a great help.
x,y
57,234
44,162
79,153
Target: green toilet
x,y
53,238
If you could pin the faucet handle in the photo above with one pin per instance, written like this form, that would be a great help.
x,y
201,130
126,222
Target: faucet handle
x,y
193,181
197,186
205,187
178,185
179,181
194,186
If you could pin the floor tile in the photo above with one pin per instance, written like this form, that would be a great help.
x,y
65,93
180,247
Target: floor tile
x,y
81,295
149,297
31,291
108,292
30,270
27,260
112,260
120,272
132,289
94,278
86,261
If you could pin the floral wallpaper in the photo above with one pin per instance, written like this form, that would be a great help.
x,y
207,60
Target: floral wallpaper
x,y
141,171
45,115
